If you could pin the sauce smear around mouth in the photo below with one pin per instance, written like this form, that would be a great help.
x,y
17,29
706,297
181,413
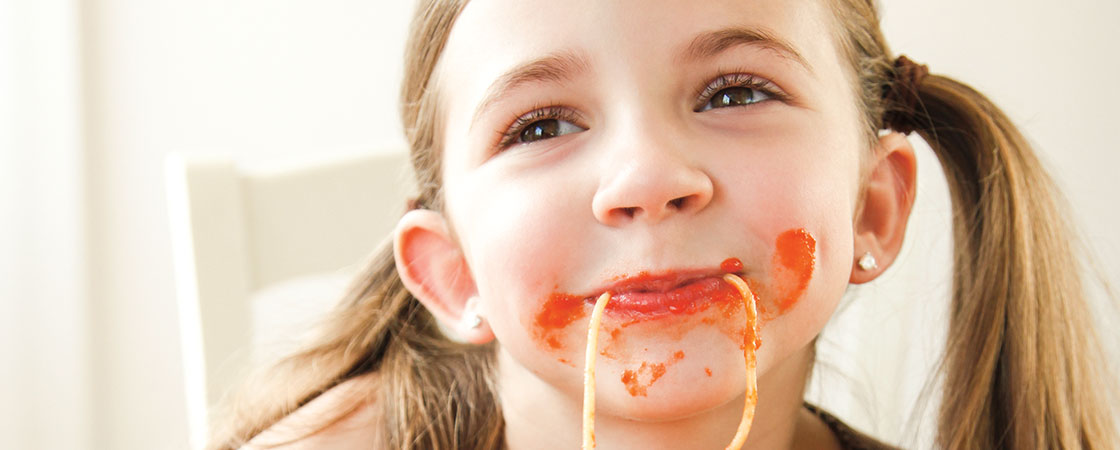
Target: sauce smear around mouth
x,y
559,311
638,380
731,265
792,266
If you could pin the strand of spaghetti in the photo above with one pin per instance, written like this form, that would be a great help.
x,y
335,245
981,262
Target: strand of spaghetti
x,y
589,371
748,354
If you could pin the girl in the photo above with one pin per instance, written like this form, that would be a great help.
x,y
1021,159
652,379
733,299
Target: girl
x,y
644,149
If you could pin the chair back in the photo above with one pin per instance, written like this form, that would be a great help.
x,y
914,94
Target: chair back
x,y
240,228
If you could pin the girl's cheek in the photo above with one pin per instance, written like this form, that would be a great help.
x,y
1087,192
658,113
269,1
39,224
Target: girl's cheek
x,y
790,271
522,247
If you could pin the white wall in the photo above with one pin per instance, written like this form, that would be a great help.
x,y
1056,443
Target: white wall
x,y
257,78
249,78
44,354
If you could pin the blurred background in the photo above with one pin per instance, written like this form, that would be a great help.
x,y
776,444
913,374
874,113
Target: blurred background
x,y
94,94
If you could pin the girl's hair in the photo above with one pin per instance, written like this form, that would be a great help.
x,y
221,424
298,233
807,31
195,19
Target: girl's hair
x,y
1021,368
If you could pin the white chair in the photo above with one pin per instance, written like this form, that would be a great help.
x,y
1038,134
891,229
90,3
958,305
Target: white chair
x,y
238,229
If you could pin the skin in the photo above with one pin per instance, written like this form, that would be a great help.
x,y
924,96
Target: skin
x,y
640,181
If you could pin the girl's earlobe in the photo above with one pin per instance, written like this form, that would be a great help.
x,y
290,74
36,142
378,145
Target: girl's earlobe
x,y
471,319
433,268
472,326
888,195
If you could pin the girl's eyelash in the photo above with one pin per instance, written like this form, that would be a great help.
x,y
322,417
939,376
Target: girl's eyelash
x,y
512,133
745,80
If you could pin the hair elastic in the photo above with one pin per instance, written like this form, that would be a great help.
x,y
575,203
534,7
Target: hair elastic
x,y
901,97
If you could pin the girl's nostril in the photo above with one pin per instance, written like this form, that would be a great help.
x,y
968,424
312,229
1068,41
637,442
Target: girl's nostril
x,y
630,211
678,203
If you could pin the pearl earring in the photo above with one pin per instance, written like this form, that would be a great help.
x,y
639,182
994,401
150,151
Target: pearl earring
x,y
471,318
867,262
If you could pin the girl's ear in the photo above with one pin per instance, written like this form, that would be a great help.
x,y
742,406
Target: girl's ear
x,y
885,208
432,266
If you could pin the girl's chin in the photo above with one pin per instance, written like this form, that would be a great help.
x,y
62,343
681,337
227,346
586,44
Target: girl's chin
x,y
646,376
668,403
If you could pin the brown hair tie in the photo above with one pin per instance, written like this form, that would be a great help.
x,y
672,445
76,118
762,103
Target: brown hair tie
x,y
900,95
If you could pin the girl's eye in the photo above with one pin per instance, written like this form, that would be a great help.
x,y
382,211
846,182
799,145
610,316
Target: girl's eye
x,y
539,125
736,90
735,96
546,129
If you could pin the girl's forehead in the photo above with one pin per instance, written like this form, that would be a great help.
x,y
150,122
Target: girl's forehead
x,y
625,40
492,37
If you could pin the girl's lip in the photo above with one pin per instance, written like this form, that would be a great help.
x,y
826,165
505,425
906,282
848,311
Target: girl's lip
x,y
674,292
660,282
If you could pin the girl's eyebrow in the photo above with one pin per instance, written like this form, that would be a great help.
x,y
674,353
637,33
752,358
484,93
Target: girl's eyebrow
x,y
562,66
556,67
710,44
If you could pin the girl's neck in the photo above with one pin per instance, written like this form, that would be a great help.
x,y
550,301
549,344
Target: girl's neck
x,y
539,417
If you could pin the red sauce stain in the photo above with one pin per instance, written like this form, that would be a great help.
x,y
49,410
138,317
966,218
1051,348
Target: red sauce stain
x,y
708,371
614,346
559,311
793,263
794,258
638,381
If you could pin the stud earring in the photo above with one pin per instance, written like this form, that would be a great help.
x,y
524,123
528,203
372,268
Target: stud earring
x,y
867,262
471,318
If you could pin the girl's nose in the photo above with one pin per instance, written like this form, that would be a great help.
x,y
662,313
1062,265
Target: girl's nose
x,y
650,185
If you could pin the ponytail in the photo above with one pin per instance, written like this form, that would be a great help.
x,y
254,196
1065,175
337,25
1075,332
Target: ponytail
x,y
1022,365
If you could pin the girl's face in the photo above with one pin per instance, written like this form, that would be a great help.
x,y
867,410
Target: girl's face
x,y
633,147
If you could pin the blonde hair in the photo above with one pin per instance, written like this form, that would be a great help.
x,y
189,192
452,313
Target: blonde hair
x,y
1022,365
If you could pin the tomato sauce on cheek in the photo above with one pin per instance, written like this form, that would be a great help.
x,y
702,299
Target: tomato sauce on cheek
x,y
557,312
792,267
795,257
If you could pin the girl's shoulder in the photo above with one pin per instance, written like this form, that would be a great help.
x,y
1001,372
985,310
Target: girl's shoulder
x,y
318,424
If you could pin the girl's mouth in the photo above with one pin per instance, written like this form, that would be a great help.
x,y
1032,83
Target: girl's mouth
x,y
647,296
640,298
